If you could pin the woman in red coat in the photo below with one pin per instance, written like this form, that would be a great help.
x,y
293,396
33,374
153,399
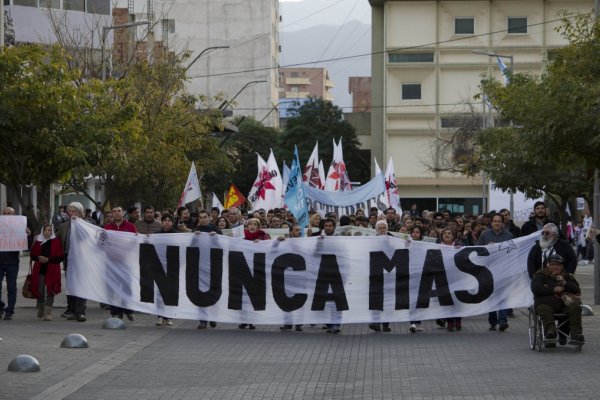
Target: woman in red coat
x,y
47,254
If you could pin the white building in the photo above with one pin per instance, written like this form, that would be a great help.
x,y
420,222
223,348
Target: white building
x,y
249,28
424,70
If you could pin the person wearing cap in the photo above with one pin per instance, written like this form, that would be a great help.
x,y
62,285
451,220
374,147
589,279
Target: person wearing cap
x,y
557,291
550,243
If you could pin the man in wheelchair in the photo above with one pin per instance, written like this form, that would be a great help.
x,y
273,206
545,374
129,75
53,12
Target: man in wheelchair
x,y
555,291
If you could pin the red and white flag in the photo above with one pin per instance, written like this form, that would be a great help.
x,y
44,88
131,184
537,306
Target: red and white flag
x,y
191,191
268,186
312,173
337,176
321,175
390,186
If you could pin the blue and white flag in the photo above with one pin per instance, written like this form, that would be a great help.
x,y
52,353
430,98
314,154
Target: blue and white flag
x,y
285,175
504,70
295,196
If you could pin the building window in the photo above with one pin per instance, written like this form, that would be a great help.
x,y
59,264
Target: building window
x,y
25,3
410,57
50,4
168,26
464,26
98,7
74,5
411,91
294,74
517,25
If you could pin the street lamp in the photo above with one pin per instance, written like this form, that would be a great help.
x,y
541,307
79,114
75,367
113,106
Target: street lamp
x,y
205,51
105,30
228,102
511,58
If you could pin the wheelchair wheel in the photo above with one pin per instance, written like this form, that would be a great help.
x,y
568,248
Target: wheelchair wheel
x,y
533,328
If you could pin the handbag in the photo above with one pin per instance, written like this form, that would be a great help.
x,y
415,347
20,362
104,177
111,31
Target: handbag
x,y
26,292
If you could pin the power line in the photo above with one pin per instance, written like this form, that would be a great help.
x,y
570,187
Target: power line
x,y
310,15
419,46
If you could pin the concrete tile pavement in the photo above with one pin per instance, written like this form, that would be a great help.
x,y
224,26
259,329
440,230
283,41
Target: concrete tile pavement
x,y
181,362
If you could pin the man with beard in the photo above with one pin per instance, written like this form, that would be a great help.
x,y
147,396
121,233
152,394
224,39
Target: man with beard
x,y
550,243
205,225
538,221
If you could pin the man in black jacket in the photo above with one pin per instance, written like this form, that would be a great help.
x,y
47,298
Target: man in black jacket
x,y
550,243
556,291
538,221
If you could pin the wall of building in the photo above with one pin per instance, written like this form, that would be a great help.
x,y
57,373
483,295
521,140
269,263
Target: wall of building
x,y
409,130
250,28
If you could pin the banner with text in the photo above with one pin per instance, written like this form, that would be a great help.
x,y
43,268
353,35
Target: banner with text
x,y
337,279
13,233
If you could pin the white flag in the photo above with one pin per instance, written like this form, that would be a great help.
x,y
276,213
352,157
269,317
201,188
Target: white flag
x,y
216,203
391,188
311,171
191,191
337,177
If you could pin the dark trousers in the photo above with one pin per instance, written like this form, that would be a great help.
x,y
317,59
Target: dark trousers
x,y
118,311
75,304
497,317
573,311
11,271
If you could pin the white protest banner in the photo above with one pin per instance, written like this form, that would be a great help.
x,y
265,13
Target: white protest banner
x,y
371,194
13,235
335,279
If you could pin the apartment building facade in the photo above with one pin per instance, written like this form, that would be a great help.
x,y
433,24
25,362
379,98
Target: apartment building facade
x,y
426,68
246,71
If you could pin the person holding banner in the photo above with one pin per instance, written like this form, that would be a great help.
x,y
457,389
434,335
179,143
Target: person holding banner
x,y
449,239
122,225
255,234
205,225
167,226
381,227
75,305
46,254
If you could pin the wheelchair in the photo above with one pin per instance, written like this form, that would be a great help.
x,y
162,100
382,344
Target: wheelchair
x,y
537,336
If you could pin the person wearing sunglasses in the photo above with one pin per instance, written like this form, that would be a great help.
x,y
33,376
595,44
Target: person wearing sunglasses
x,y
550,243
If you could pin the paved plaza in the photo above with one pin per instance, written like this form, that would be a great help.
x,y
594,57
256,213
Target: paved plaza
x,y
182,362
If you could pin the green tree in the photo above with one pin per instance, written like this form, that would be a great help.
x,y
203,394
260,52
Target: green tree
x,y
49,125
151,158
318,120
554,142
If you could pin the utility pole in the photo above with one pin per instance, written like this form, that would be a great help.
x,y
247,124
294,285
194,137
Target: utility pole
x,y
1,24
596,208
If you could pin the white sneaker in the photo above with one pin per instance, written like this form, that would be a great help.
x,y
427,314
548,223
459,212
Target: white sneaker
x,y
159,321
168,322
413,328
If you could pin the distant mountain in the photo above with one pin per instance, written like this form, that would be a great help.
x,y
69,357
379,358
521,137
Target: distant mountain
x,y
325,42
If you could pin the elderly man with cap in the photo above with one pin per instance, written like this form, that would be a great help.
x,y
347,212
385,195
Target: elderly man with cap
x,y
557,291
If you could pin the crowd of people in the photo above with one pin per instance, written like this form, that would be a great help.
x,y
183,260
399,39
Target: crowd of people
x,y
50,249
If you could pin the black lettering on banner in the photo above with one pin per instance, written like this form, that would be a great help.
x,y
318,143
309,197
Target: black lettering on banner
x,y
192,277
152,271
482,274
280,264
241,277
434,271
378,262
329,275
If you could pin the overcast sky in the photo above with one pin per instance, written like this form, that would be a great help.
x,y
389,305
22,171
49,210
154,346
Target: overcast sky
x,y
302,14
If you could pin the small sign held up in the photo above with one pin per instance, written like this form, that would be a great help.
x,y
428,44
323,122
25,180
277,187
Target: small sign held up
x,y
13,235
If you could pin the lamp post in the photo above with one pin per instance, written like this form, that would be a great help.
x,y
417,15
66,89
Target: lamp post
x,y
225,103
206,50
105,30
511,58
